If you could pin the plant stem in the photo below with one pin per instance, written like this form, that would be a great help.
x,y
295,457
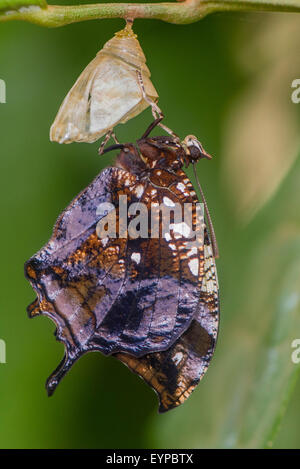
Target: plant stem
x,y
185,12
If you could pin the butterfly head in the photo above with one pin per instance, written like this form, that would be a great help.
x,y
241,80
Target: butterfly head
x,y
194,149
163,152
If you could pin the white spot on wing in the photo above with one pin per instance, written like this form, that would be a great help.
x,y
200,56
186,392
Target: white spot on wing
x,y
139,190
104,241
136,257
192,252
180,187
177,358
194,266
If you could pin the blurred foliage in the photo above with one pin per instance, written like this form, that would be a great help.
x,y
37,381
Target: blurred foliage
x,y
262,117
211,76
15,4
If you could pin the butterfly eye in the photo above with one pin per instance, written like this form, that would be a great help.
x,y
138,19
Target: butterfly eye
x,y
107,93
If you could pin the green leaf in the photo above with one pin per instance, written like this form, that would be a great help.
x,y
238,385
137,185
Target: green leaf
x,y
241,401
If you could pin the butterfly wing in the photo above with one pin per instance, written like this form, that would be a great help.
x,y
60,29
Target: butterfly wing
x,y
118,294
175,373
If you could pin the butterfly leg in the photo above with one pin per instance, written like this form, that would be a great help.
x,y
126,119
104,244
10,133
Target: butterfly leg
x,y
105,140
151,127
113,135
156,111
110,134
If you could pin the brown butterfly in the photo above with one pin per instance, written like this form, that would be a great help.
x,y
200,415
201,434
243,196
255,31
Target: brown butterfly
x,y
151,301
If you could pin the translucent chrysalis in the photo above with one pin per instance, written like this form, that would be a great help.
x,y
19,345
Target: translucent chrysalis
x,y
108,92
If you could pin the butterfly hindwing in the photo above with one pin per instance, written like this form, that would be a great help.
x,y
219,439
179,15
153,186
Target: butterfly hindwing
x,y
175,373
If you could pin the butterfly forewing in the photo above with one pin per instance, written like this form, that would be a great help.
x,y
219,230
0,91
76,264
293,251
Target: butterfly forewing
x,y
118,294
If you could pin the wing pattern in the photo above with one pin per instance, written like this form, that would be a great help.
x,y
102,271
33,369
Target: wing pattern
x,y
130,297
175,373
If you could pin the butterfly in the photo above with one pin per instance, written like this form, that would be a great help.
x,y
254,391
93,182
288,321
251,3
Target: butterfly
x,y
150,300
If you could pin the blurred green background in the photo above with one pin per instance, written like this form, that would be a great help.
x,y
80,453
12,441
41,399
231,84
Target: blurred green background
x,y
226,79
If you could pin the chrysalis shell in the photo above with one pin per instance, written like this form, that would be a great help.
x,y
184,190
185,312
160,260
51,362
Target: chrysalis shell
x,y
106,93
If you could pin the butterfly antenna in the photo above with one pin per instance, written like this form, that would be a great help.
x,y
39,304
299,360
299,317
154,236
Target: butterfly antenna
x,y
210,224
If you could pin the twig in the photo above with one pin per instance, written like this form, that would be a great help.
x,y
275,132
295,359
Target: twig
x,y
185,12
